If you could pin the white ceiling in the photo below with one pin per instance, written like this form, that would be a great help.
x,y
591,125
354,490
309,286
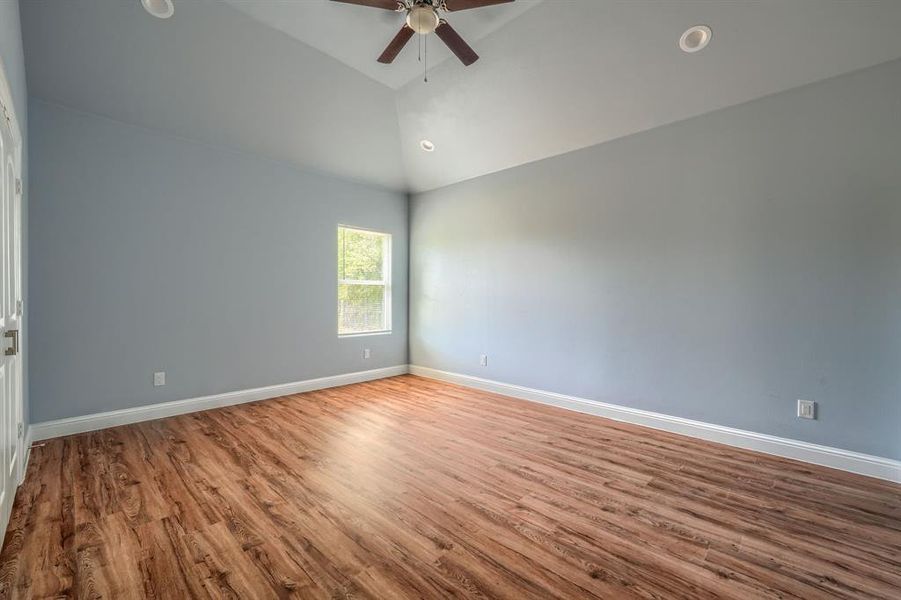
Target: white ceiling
x,y
356,35
574,73
562,75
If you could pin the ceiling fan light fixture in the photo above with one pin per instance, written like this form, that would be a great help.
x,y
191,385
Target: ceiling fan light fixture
x,y
695,38
423,19
161,9
427,145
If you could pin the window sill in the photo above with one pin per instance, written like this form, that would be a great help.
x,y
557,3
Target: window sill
x,y
367,334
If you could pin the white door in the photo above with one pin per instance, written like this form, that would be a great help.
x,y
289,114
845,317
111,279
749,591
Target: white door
x,y
11,429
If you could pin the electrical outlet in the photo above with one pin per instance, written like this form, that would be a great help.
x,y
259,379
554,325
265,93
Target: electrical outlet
x,y
807,409
159,378
483,360
367,353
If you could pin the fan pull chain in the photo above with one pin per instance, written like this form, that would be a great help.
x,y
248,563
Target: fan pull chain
x,y
423,40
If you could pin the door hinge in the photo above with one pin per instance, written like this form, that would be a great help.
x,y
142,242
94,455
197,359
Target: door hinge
x,y
19,307
21,429
19,186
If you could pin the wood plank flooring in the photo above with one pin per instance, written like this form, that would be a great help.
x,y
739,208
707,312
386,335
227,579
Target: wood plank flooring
x,y
413,488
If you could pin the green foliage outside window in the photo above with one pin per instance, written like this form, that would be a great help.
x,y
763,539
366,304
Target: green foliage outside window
x,y
363,284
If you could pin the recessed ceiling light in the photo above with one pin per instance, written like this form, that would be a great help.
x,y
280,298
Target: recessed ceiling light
x,y
161,9
695,38
427,146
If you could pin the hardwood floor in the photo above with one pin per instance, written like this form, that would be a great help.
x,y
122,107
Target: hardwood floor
x,y
413,488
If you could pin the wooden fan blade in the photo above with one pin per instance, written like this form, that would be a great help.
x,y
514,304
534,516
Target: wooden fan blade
x,y
453,41
384,4
455,5
397,44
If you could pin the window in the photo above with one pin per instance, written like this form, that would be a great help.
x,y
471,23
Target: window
x,y
364,281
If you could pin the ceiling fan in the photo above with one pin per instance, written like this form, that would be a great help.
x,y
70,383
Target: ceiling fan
x,y
424,17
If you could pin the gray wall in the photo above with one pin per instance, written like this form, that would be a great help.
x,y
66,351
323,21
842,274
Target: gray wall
x,y
715,269
150,252
14,63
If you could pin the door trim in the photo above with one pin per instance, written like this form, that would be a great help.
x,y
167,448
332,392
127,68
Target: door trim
x,y
9,110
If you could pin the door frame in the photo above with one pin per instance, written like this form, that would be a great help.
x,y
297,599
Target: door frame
x,y
9,109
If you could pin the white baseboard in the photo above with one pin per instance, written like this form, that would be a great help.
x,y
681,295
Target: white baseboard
x,y
73,425
855,462
836,458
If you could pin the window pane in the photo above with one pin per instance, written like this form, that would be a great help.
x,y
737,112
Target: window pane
x,y
361,308
360,255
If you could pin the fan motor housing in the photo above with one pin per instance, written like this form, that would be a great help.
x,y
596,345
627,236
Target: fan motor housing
x,y
423,19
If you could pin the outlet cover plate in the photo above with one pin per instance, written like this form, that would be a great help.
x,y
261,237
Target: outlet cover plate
x,y
807,409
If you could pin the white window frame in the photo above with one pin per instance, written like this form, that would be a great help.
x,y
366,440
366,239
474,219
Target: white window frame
x,y
386,282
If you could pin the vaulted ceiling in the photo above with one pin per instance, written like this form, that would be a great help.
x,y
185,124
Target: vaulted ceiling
x,y
356,35
298,81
